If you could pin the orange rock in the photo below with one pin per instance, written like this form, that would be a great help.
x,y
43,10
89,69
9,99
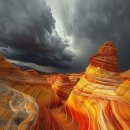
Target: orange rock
x,y
124,91
29,83
126,74
51,78
75,76
97,100
63,86
2,58
106,57
100,77
33,72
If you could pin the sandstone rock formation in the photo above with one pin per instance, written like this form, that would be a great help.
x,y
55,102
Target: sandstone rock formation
x,y
98,99
126,74
102,76
75,76
33,72
124,91
63,86
18,111
51,78
29,83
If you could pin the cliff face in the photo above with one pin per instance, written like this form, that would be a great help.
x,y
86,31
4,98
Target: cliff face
x,y
98,98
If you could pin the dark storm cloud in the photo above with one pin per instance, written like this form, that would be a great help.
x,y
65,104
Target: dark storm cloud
x,y
95,21
27,30
105,20
27,33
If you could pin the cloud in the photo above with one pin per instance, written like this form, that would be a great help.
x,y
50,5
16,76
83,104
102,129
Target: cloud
x,y
91,22
33,65
99,20
27,33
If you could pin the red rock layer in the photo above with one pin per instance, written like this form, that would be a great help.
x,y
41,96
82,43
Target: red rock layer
x,y
45,121
106,57
75,76
101,76
126,74
51,78
123,90
33,72
63,86
98,114
2,58
63,78
29,83
93,102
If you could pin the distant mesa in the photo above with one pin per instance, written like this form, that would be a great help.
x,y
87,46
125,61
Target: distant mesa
x,y
33,72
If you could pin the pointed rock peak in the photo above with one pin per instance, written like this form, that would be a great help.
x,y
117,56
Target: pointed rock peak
x,y
108,48
106,58
109,43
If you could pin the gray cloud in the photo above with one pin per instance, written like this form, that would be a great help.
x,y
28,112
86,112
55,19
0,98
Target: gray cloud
x,y
91,22
105,20
27,33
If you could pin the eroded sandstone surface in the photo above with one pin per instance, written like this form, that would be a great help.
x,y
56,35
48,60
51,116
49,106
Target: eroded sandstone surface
x,y
96,99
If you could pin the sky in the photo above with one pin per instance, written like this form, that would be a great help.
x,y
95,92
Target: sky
x,y
60,35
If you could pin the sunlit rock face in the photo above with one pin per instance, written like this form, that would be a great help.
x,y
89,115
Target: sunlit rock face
x,y
126,74
124,91
63,86
102,76
98,114
96,101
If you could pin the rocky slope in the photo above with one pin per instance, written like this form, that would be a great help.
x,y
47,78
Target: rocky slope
x,y
99,97
28,82
17,110
44,110
63,86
